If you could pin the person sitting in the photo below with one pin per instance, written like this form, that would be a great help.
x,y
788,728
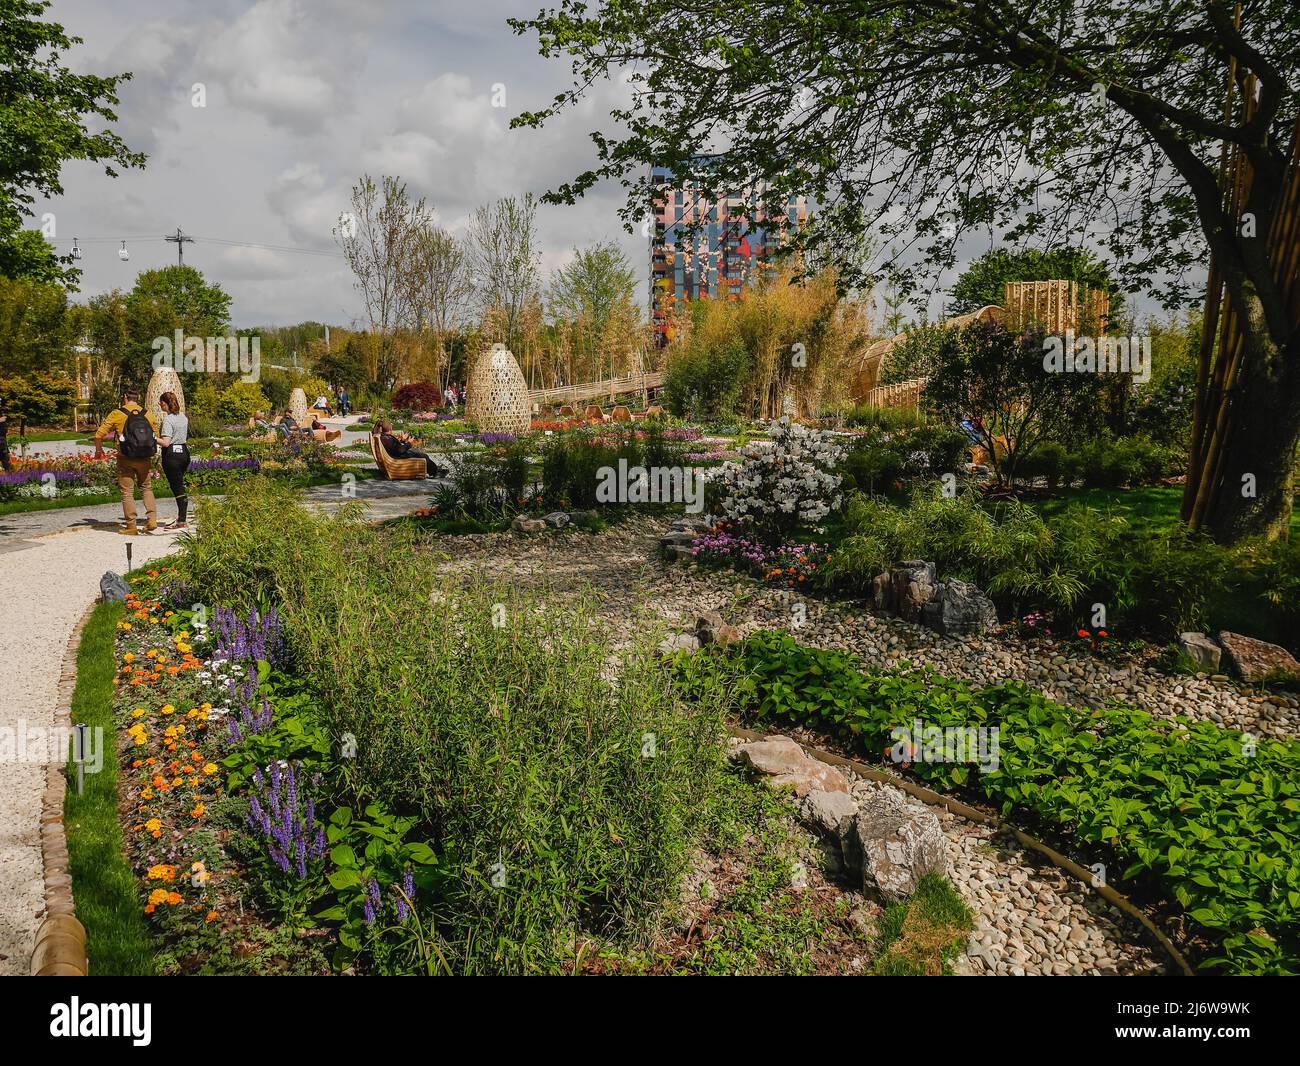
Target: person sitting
x,y
323,404
288,425
398,446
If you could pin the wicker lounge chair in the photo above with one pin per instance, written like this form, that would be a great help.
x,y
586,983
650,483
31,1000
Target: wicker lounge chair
x,y
396,469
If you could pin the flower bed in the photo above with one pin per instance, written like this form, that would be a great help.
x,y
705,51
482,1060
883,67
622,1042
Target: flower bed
x,y
272,784
732,546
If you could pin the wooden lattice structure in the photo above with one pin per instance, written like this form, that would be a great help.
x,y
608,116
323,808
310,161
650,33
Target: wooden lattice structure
x,y
866,378
1056,306
497,398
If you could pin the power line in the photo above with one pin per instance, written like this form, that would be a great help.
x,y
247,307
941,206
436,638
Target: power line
x,y
187,239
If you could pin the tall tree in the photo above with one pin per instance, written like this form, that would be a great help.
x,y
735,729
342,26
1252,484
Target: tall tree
x,y
504,256
378,238
441,285
1063,121
44,109
984,279
597,284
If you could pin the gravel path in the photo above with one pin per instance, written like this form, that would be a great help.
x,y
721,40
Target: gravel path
x,y
1031,918
50,566
45,589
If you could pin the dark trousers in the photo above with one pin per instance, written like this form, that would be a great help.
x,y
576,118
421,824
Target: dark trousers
x,y
4,453
174,464
431,468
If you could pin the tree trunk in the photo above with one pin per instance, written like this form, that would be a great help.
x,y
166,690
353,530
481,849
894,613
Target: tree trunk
x,y
1265,433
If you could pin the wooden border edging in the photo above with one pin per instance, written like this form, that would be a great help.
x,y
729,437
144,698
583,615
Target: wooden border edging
x,y
60,947
973,814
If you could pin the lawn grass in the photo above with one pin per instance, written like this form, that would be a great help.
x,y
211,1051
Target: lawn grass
x,y
41,436
161,491
921,935
118,941
1149,510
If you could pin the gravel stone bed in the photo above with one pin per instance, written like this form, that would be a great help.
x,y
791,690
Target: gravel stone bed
x,y
1031,917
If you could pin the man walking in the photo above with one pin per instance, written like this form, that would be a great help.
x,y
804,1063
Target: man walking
x,y
137,441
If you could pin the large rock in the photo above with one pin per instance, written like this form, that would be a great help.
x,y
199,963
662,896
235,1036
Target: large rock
x,y
1254,659
891,845
913,587
786,764
711,629
679,642
113,587
959,608
556,519
524,524
827,810
882,593
1202,650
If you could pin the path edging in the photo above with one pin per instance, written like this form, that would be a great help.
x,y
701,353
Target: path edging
x,y
60,947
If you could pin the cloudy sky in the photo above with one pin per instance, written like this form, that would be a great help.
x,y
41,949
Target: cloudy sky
x,y
302,96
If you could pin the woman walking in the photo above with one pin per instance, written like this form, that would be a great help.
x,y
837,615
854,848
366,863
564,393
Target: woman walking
x,y
173,438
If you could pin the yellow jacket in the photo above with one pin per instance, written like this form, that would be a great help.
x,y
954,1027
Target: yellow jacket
x,y
116,422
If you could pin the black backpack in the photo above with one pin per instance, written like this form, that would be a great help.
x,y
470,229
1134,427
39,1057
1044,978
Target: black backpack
x,y
137,441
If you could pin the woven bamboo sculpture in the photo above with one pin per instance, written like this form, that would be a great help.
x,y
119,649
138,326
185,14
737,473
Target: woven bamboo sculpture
x,y
298,407
164,379
497,398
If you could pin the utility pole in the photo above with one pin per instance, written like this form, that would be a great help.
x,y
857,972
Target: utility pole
x,y
180,240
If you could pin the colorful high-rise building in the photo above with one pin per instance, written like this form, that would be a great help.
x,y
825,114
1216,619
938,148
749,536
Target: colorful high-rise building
x,y
728,251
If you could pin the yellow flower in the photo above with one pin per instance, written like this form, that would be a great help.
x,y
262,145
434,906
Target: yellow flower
x,y
210,768
137,712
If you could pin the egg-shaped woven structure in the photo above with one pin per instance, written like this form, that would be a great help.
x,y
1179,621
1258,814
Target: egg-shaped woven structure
x,y
298,407
164,379
497,399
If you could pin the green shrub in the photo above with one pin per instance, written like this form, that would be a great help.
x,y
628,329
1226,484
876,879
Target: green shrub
x,y
702,383
241,401
878,460
1214,820
1112,462
1015,555
1048,460
571,462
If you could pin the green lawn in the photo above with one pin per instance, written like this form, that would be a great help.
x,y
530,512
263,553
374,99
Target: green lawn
x,y
118,941
40,436
161,491
1148,510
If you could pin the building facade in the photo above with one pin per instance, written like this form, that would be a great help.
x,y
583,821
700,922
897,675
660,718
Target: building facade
x,y
727,253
